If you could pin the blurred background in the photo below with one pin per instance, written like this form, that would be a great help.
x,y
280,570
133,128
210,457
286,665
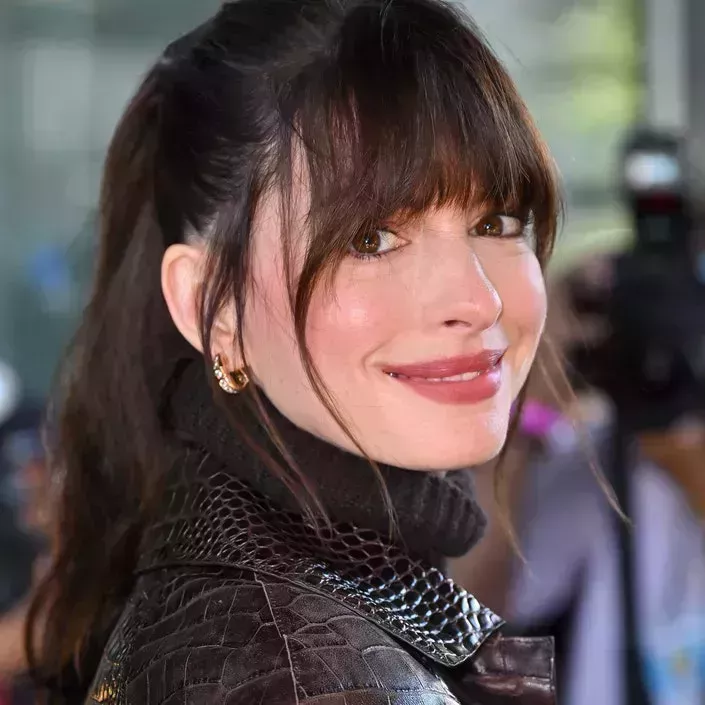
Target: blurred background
x,y
590,71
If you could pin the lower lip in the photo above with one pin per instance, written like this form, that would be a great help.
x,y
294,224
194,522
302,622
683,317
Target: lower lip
x,y
472,391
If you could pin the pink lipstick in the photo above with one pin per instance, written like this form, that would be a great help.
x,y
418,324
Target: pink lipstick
x,y
467,379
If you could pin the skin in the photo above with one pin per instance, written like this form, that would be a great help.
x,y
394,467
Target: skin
x,y
439,290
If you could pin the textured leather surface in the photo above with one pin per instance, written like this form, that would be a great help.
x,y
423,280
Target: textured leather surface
x,y
239,602
510,670
228,636
217,519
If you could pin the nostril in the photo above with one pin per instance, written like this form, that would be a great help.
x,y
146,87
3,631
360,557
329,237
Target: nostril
x,y
455,323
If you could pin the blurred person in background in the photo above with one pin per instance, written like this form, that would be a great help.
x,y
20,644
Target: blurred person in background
x,y
569,584
22,527
319,295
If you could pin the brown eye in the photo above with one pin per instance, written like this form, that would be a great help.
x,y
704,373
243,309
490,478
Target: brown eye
x,y
492,226
375,243
499,226
367,243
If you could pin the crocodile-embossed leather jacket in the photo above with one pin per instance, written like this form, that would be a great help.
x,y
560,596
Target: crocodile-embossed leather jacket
x,y
239,599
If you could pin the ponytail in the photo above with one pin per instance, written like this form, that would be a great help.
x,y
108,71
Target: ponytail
x,y
107,392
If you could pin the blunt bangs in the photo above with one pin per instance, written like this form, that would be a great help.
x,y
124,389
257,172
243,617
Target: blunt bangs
x,y
412,111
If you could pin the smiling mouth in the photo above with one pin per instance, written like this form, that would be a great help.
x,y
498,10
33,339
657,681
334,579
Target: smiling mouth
x,y
463,368
467,379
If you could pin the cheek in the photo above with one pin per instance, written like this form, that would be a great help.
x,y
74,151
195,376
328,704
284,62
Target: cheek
x,y
346,323
524,299
270,338
520,284
527,298
352,320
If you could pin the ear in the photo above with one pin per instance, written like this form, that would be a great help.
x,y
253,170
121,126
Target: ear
x,y
182,275
182,281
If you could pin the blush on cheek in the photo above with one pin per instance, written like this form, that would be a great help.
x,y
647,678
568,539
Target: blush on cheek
x,y
350,320
335,329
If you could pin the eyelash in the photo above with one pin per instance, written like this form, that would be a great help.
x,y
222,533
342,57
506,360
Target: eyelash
x,y
523,221
525,224
378,255
374,255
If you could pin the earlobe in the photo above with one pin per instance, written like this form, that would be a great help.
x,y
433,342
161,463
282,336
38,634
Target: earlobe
x,y
182,267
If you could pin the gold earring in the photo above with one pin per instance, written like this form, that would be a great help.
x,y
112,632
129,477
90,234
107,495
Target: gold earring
x,y
230,382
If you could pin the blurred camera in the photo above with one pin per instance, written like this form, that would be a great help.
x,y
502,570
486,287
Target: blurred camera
x,y
652,364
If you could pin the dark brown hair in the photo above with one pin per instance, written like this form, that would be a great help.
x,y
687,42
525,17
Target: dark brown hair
x,y
391,106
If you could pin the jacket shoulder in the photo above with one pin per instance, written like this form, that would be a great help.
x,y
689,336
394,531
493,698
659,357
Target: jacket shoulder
x,y
239,637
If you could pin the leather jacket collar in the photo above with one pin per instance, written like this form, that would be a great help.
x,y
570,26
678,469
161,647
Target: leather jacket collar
x,y
215,519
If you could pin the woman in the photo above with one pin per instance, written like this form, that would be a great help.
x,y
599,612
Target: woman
x,y
319,295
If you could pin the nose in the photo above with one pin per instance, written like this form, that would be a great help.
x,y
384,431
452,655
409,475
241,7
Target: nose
x,y
457,293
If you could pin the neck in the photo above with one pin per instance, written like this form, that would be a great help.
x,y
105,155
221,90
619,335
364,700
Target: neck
x,y
435,515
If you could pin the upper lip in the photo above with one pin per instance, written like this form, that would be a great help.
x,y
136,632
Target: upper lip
x,y
448,367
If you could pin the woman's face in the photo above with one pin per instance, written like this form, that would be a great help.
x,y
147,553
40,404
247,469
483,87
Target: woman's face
x,y
423,347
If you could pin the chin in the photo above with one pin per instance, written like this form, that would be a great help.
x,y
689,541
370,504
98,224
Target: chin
x,y
445,453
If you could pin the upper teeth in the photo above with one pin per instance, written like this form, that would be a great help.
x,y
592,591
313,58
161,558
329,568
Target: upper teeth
x,y
464,377
455,378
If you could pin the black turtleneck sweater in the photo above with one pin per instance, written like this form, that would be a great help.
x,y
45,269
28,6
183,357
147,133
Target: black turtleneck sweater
x,y
436,515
